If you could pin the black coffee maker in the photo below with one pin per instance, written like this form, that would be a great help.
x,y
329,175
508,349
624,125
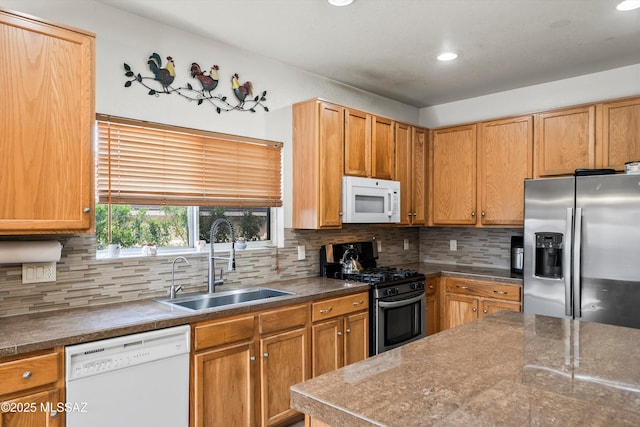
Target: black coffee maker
x,y
549,255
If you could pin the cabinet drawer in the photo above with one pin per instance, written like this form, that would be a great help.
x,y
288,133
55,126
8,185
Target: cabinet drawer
x,y
30,372
483,288
338,306
212,334
284,318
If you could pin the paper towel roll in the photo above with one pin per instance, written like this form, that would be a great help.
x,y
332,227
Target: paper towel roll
x,y
30,251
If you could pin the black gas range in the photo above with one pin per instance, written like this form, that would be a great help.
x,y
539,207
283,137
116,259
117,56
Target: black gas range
x,y
396,298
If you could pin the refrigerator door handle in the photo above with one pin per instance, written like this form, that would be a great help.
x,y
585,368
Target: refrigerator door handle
x,y
566,264
577,243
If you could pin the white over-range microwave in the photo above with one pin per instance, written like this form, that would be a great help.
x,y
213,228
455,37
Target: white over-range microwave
x,y
370,200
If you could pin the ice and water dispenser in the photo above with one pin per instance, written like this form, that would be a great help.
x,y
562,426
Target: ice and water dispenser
x,y
549,255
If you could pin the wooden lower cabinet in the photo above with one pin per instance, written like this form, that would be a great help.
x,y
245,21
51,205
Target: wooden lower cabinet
x,y
340,332
243,367
433,305
31,388
466,300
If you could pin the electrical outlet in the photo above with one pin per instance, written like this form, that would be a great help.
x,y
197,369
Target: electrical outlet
x,y
301,252
453,245
379,242
406,244
39,272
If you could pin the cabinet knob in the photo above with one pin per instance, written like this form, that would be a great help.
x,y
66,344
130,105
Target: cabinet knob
x,y
483,213
86,210
252,358
473,213
430,286
26,375
53,414
339,333
474,309
485,311
348,330
266,355
339,213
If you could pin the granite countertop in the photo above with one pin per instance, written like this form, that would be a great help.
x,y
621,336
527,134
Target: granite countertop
x,y
509,369
39,331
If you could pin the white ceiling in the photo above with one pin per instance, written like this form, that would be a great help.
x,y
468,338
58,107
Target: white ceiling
x,y
388,47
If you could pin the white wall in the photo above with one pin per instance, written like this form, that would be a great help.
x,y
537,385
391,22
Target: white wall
x,y
610,84
123,37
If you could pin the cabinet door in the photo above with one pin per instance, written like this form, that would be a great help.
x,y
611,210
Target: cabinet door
x,y
620,133
382,148
505,159
283,364
330,153
41,411
453,175
565,141
357,143
356,337
460,309
404,161
223,387
419,176
47,104
326,346
492,306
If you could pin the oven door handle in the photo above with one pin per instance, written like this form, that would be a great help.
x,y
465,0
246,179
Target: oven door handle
x,y
394,304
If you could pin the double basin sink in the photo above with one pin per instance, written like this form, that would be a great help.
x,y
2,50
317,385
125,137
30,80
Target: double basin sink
x,y
223,299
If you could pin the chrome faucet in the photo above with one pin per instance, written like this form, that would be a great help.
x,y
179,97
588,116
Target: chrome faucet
x,y
173,290
232,256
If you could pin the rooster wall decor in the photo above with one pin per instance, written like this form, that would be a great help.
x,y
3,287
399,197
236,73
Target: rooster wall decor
x,y
165,74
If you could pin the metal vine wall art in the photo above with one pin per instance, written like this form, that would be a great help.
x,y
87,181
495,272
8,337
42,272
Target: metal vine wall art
x,y
164,76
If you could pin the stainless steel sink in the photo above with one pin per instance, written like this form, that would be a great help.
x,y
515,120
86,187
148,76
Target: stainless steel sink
x,y
221,299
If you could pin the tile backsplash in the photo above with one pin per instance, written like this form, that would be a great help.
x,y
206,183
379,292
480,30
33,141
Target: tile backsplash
x,y
83,280
482,247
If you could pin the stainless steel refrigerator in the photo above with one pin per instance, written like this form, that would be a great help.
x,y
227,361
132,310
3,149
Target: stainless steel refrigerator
x,y
582,248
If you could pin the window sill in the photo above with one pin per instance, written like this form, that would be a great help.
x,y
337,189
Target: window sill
x,y
101,255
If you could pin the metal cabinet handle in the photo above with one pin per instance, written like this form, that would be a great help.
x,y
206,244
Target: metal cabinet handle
x,y
53,414
339,333
26,375
86,210
358,302
252,358
430,286
500,292
348,330
474,309
328,310
462,287
266,355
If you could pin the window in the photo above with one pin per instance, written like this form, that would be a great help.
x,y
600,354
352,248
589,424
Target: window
x,y
164,185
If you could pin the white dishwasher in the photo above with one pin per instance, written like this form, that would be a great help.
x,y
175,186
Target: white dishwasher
x,y
130,381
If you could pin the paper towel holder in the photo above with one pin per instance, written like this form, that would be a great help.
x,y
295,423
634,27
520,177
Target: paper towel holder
x,y
30,251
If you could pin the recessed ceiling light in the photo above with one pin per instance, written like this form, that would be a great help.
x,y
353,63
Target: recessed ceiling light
x,y
447,56
340,2
628,5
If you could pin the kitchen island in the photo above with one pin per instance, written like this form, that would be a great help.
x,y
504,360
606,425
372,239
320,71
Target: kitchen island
x,y
506,369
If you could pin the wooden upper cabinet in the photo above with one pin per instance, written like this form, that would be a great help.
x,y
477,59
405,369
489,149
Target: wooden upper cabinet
x,y
382,148
453,175
505,153
564,141
357,143
369,145
318,134
620,133
411,152
47,82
